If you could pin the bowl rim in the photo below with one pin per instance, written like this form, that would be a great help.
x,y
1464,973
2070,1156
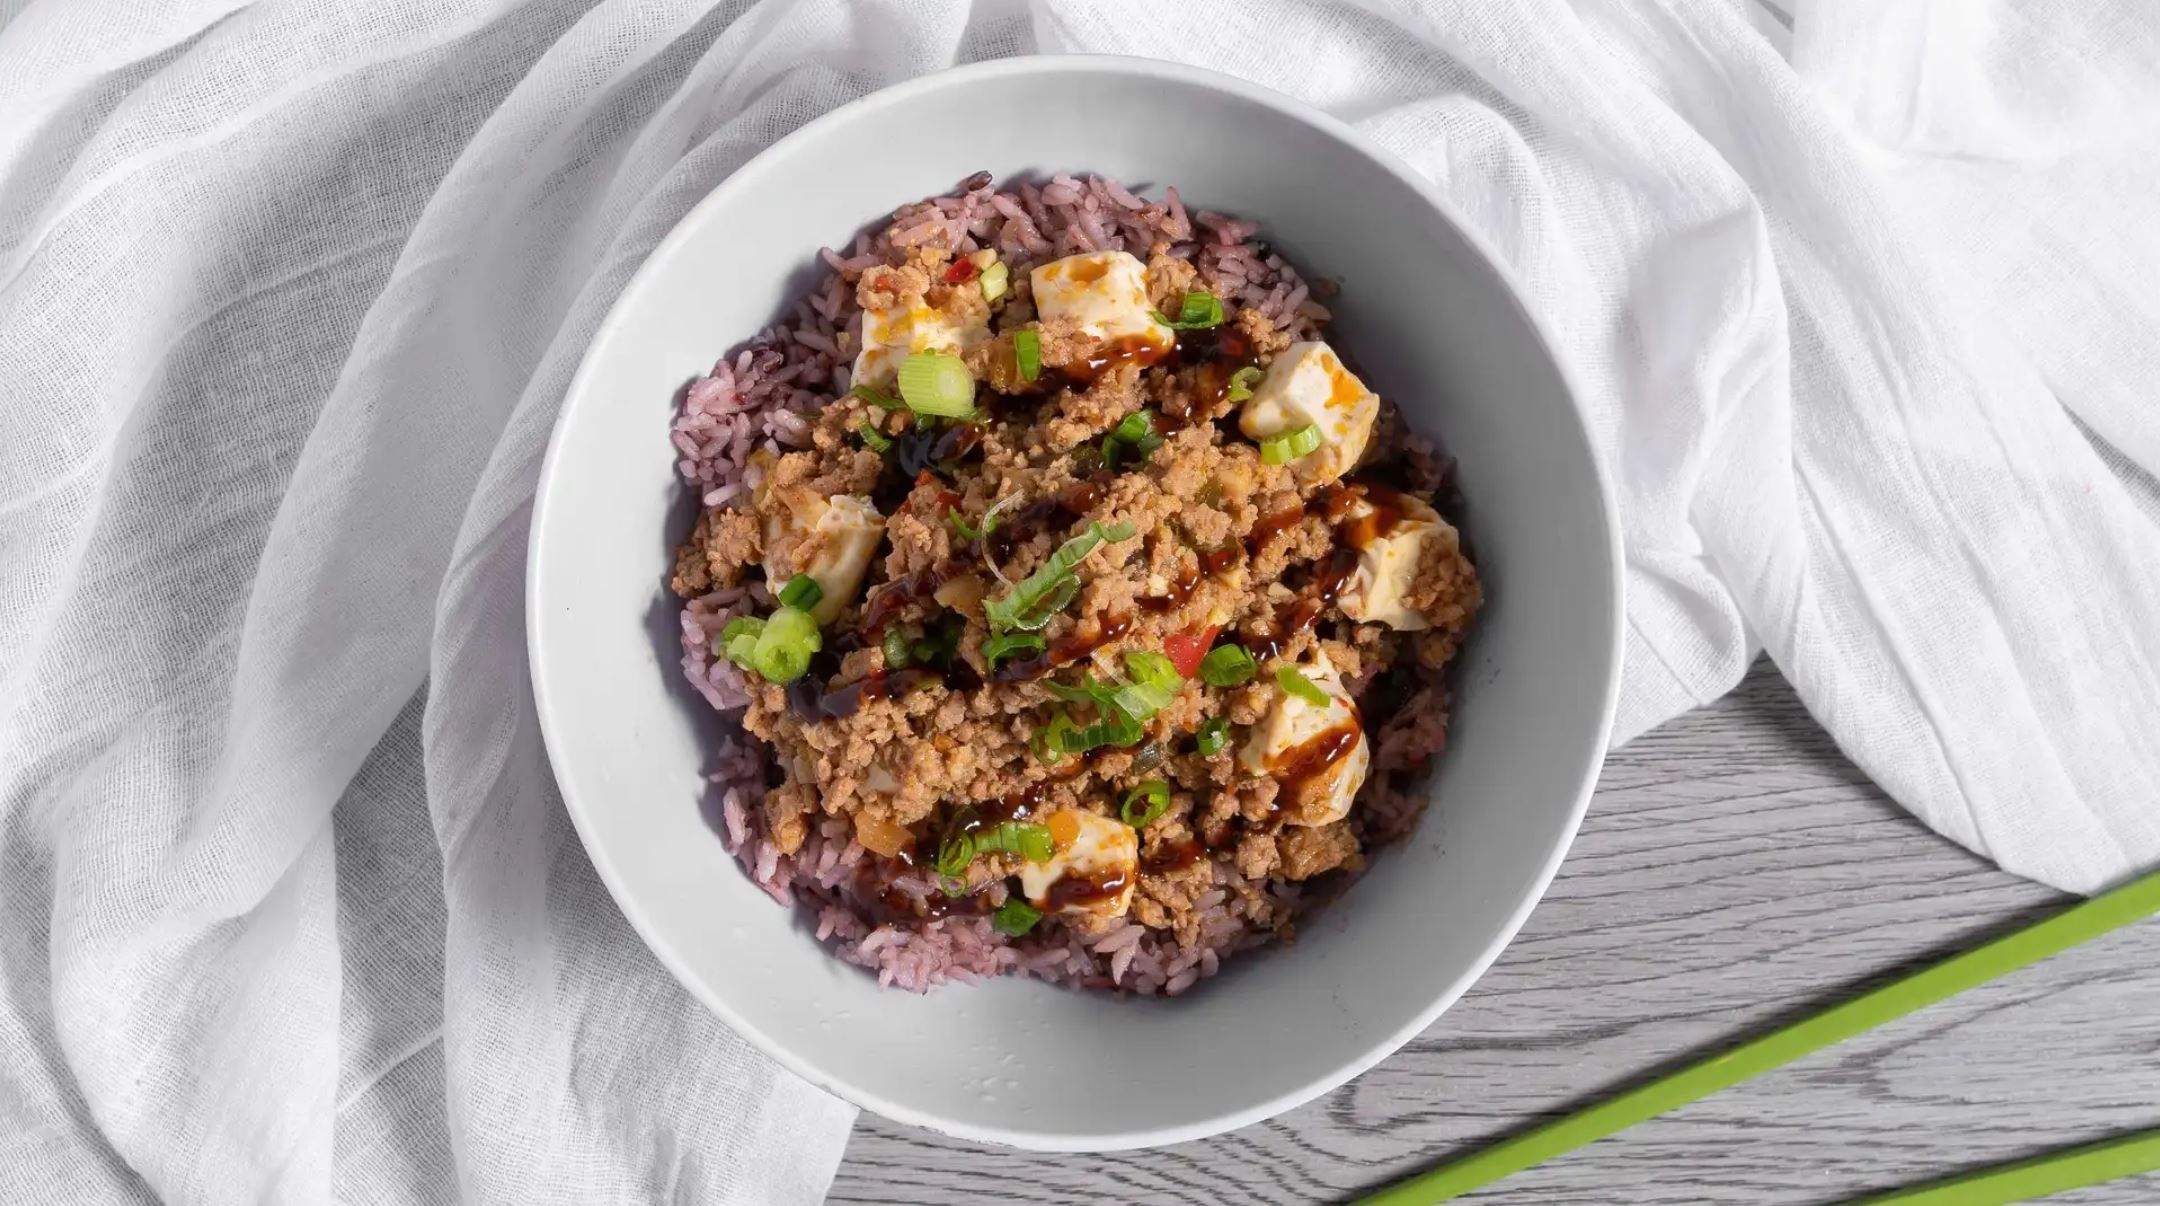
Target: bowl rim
x,y
1284,106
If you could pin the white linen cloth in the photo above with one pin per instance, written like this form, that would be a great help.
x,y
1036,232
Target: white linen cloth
x,y
290,290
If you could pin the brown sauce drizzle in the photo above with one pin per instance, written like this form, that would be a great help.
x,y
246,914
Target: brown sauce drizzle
x,y
1181,589
1125,349
1271,526
1173,859
1071,648
1060,510
895,905
1384,512
1018,806
1304,611
1311,760
885,606
1084,891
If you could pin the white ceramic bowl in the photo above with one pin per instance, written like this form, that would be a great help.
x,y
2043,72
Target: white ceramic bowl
x,y
1438,328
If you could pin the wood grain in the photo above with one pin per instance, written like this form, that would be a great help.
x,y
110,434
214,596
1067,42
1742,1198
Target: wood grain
x,y
1735,870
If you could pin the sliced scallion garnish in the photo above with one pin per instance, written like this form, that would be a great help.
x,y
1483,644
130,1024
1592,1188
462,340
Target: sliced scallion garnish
x,y
1227,666
1016,916
1155,682
738,641
1197,311
1294,683
1134,427
1289,445
1027,353
897,655
1241,383
1010,644
1214,734
995,278
1034,599
1024,838
801,591
784,647
878,398
872,438
932,383
1144,803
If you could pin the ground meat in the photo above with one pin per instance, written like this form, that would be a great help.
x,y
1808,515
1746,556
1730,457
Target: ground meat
x,y
693,574
1310,852
1169,279
916,708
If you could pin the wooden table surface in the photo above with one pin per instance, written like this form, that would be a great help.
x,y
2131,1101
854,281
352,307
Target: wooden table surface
x,y
1735,870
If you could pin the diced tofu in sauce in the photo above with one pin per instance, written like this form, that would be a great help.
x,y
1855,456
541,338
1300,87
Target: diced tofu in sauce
x,y
835,540
1318,753
1307,383
1094,867
1390,540
1104,293
891,336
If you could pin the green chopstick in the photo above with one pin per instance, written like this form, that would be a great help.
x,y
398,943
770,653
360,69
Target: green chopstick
x,y
2051,1172
2137,899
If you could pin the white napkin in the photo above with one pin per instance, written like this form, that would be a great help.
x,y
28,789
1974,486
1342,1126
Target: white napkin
x,y
289,293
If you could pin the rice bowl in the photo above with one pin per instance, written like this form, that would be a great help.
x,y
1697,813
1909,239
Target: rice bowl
x,y
1431,321
909,782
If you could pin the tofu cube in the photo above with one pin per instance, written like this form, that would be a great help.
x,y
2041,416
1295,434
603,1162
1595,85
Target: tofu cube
x,y
891,336
1391,534
1307,383
1094,866
1104,293
1317,752
829,539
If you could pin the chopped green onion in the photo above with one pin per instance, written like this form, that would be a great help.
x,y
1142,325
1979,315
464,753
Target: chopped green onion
x,y
1214,734
1197,311
1034,599
954,855
962,527
1027,353
738,641
1293,683
1144,803
1048,742
1008,644
1155,683
1290,445
1016,916
742,626
935,384
1088,690
1112,727
878,398
784,647
1062,736
1136,433
1242,381
995,278
1227,666
1024,838
897,654
952,888
801,591
872,438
